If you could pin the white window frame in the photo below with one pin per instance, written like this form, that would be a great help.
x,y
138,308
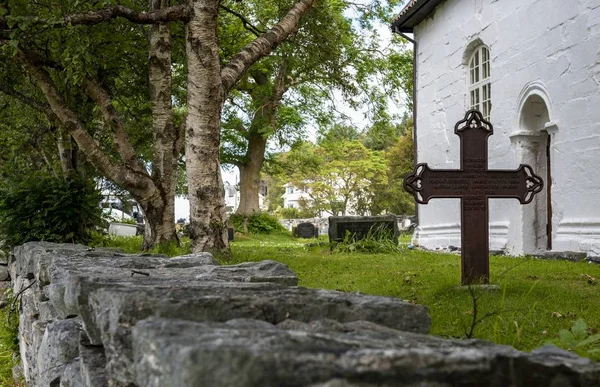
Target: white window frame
x,y
480,87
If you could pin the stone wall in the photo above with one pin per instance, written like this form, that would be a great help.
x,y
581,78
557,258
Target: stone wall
x,y
99,318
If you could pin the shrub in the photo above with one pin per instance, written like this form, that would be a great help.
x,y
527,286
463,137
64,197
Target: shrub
x,y
47,208
256,223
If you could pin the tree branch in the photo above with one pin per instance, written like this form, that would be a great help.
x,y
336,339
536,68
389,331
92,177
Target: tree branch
x,y
263,45
77,130
95,90
175,13
41,107
247,25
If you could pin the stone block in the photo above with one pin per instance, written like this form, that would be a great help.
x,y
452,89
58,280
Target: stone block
x,y
71,376
4,274
59,346
72,280
113,312
177,353
46,311
92,363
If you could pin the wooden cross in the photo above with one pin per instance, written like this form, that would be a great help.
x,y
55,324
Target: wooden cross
x,y
473,183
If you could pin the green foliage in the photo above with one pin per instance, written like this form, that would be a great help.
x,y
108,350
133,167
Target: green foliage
x,y
580,339
378,240
335,174
42,207
337,132
296,213
391,197
382,135
294,87
275,190
256,223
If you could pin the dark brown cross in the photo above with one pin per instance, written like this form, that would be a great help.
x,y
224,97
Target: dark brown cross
x,y
473,183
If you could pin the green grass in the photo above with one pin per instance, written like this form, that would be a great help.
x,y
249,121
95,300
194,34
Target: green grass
x,y
536,300
8,345
133,245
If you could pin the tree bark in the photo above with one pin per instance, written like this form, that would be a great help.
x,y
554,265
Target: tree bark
x,y
250,175
166,135
208,86
203,124
66,153
265,116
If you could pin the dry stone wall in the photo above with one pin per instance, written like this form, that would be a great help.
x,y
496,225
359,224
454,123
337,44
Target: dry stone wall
x,y
99,318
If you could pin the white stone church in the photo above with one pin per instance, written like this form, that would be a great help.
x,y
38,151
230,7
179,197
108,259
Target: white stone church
x,y
533,69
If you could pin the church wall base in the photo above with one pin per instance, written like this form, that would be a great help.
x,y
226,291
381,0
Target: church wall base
x,y
441,236
582,235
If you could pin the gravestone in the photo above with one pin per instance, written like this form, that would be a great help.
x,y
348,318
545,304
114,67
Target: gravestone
x,y
307,230
359,227
473,183
230,234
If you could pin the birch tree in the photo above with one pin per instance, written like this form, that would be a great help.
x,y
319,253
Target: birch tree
x,y
82,56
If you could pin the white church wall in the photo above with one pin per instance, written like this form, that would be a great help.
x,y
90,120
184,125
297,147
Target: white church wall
x,y
552,42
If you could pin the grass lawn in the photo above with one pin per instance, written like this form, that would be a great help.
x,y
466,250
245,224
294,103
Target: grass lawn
x,y
537,299
8,345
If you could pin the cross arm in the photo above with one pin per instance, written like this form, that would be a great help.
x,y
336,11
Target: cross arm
x,y
426,183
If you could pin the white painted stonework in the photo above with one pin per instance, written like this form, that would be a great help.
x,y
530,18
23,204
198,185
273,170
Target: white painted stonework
x,y
545,78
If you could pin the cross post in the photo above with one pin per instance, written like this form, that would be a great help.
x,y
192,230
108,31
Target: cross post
x,y
473,183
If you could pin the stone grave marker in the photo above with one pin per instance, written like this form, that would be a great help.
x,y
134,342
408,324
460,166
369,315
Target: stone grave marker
x,y
474,184
230,234
362,226
307,230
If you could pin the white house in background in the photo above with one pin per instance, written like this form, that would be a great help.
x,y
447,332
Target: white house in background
x,y
294,196
232,198
533,69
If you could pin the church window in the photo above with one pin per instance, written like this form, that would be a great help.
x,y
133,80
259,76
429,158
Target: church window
x,y
480,89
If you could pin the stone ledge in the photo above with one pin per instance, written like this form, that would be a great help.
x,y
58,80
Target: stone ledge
x,y
192,322
171,353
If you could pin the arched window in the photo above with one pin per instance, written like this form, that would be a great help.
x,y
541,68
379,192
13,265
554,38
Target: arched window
x,y
480,91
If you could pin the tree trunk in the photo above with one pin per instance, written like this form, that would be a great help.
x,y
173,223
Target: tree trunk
x,y
203,123
250,175
265,116
160,224
208,84
166,136
66,154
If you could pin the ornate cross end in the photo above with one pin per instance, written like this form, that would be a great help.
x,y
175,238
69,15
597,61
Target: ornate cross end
x,y
533,184
473,120
413,183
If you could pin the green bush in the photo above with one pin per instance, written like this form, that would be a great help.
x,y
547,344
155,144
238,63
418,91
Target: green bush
x,y
256,223
48,208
